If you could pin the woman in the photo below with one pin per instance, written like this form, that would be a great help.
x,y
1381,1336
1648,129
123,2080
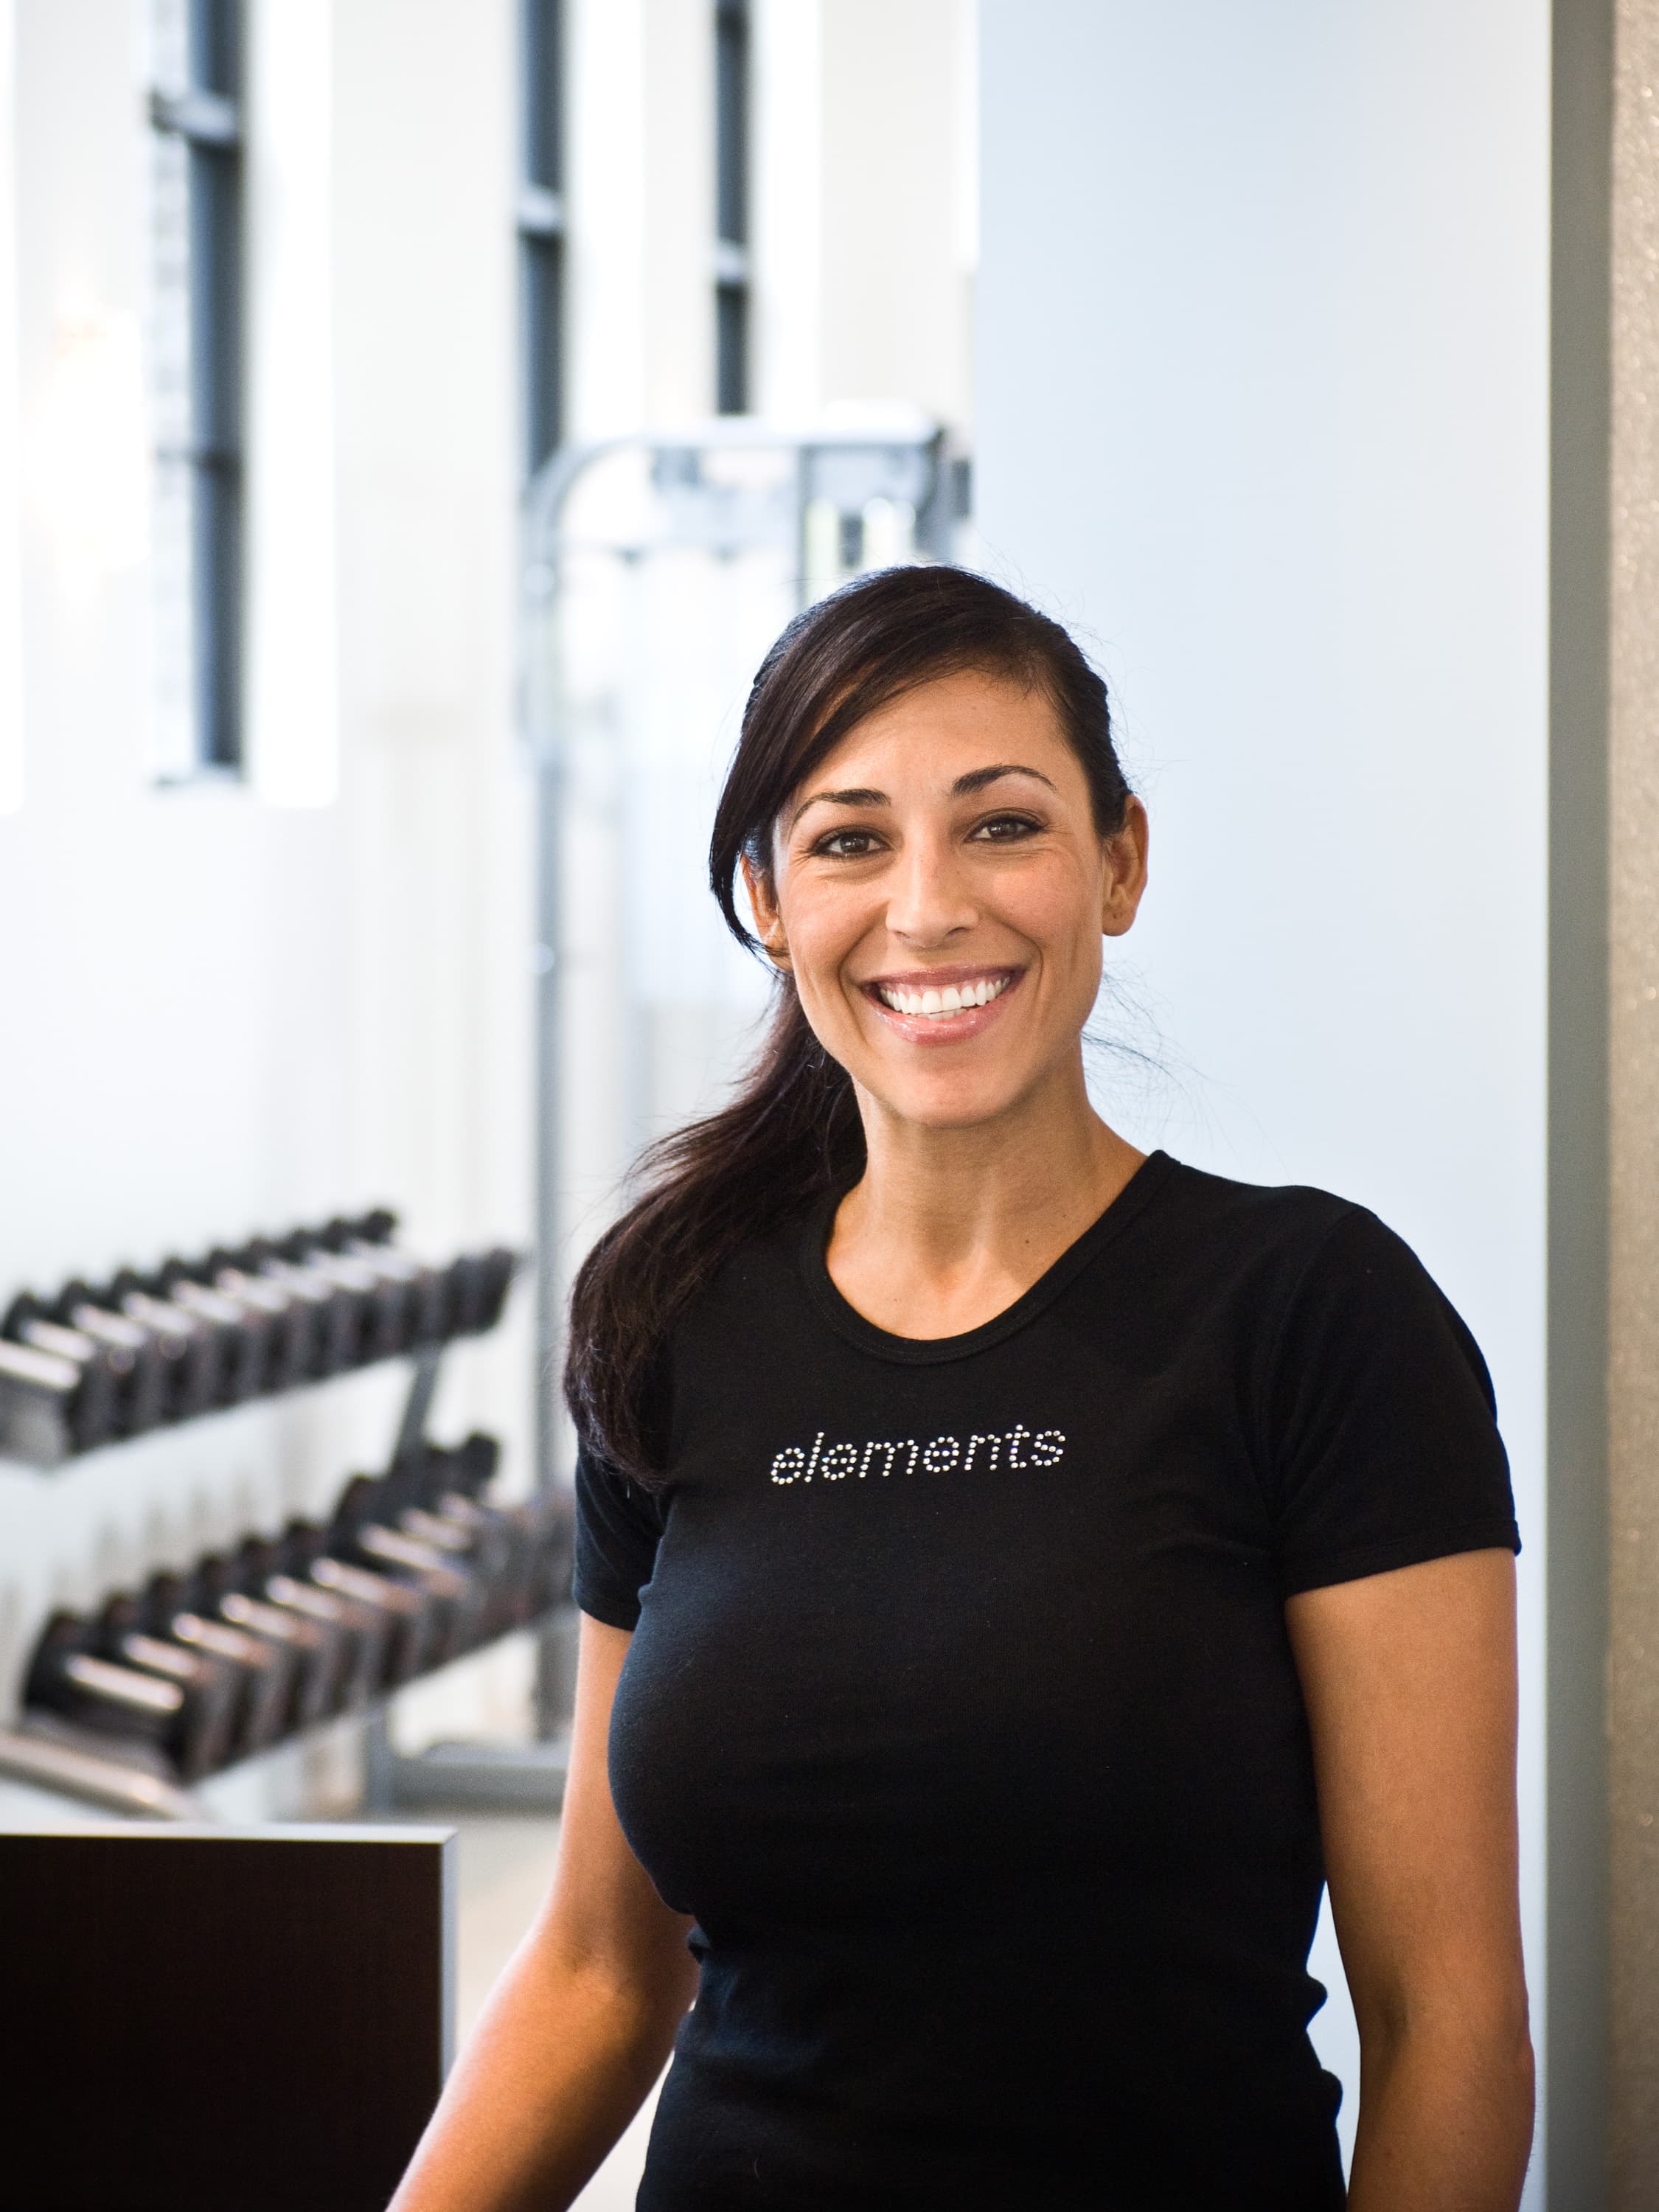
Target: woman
x,y
1016,1572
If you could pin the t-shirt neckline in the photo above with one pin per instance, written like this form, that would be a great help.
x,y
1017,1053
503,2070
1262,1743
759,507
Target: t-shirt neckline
x,y
930,1351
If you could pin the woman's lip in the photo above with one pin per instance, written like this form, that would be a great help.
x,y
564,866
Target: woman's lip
x,y
957,1029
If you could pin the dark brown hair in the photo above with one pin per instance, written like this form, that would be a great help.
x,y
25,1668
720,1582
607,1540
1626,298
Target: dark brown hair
x,y
792,1133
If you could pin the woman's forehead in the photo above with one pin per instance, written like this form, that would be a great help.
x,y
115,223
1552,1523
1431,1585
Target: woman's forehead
x,y
925,734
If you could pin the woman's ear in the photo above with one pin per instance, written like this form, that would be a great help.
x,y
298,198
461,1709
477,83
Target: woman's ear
x,y
1126,871
763,905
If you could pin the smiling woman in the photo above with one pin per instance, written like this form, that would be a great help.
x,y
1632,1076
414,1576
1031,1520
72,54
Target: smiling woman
x,y
1017,1572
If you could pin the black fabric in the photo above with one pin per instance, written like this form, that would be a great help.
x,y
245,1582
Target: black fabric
x,y
960,1712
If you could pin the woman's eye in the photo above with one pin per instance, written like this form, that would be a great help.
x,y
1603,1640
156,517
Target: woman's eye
x,y
847,844
850,844
1003,829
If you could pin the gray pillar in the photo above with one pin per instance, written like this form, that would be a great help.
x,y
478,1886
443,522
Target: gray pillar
x,y
1574,2010
1634,1117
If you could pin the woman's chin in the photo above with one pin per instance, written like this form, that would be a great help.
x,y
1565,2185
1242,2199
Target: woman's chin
x,y
948,1101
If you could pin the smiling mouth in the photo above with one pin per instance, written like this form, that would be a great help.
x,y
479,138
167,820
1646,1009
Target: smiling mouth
x,y
943,1002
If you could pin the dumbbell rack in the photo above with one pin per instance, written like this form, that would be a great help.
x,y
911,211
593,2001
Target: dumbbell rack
x,y
44,1422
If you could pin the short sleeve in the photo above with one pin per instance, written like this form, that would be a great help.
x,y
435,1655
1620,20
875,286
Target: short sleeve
x,y
618,1528
1382,1432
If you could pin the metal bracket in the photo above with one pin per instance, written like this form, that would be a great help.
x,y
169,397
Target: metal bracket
x,y
72,1763
507,1777
423,1388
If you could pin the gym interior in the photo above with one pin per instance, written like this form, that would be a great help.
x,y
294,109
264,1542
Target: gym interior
x,y
416,418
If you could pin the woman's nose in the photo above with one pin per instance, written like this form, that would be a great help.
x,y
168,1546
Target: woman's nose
x,y
930,898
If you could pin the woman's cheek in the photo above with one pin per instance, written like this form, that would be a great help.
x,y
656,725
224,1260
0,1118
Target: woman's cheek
x,y
824,934
1060,914
818,979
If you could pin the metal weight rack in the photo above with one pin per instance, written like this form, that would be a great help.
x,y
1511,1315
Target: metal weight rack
x,y
75,1376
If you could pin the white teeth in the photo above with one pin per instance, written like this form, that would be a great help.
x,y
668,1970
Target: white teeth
x,y
939,1006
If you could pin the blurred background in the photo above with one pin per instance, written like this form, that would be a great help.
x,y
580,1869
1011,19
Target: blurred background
x,y
416,420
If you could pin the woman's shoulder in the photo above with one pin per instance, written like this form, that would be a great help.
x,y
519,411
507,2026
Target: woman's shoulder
x,y
1281,1250
1286,1224
1324,1277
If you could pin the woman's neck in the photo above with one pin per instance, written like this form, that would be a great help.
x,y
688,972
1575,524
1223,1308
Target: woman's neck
x,y
947,1228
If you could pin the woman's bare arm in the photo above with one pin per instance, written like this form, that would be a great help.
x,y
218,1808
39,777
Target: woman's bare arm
x,y
1410,1684
577,2029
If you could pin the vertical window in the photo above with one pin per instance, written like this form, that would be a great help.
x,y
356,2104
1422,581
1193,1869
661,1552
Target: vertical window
x,y
196,70
541,230
731,206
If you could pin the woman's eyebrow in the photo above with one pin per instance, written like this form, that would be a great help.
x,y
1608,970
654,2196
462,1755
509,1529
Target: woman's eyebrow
x,y
840,798
977,778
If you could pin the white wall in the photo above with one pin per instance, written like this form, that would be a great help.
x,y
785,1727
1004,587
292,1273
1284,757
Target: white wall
x,y
639,79
1263,410
864,147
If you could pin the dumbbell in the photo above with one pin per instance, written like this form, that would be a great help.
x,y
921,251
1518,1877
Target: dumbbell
x,y
321,1651
462,1297
89,1397
472,1467
544,1525
291,1327
189,1356
261,1564
243,1336
38,1396
340,1312
367,1531
204,1353
361,1535
520,1551
153,1692
479,1283
425,1289
532,1533
378,1226
332,1299
123,1371
412,1303
408,1616
468,1293
482,1535
299,1314
212,1687
372,1322
415,1497
264,1669
400,1302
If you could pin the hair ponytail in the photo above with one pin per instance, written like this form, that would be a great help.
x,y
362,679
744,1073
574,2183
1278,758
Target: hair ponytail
x,y
792,1131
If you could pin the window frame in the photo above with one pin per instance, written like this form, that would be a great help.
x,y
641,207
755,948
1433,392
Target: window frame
x,y
733,71
206,113
542,230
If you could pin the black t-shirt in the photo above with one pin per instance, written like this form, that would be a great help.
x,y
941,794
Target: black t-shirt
x,y
960,1714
